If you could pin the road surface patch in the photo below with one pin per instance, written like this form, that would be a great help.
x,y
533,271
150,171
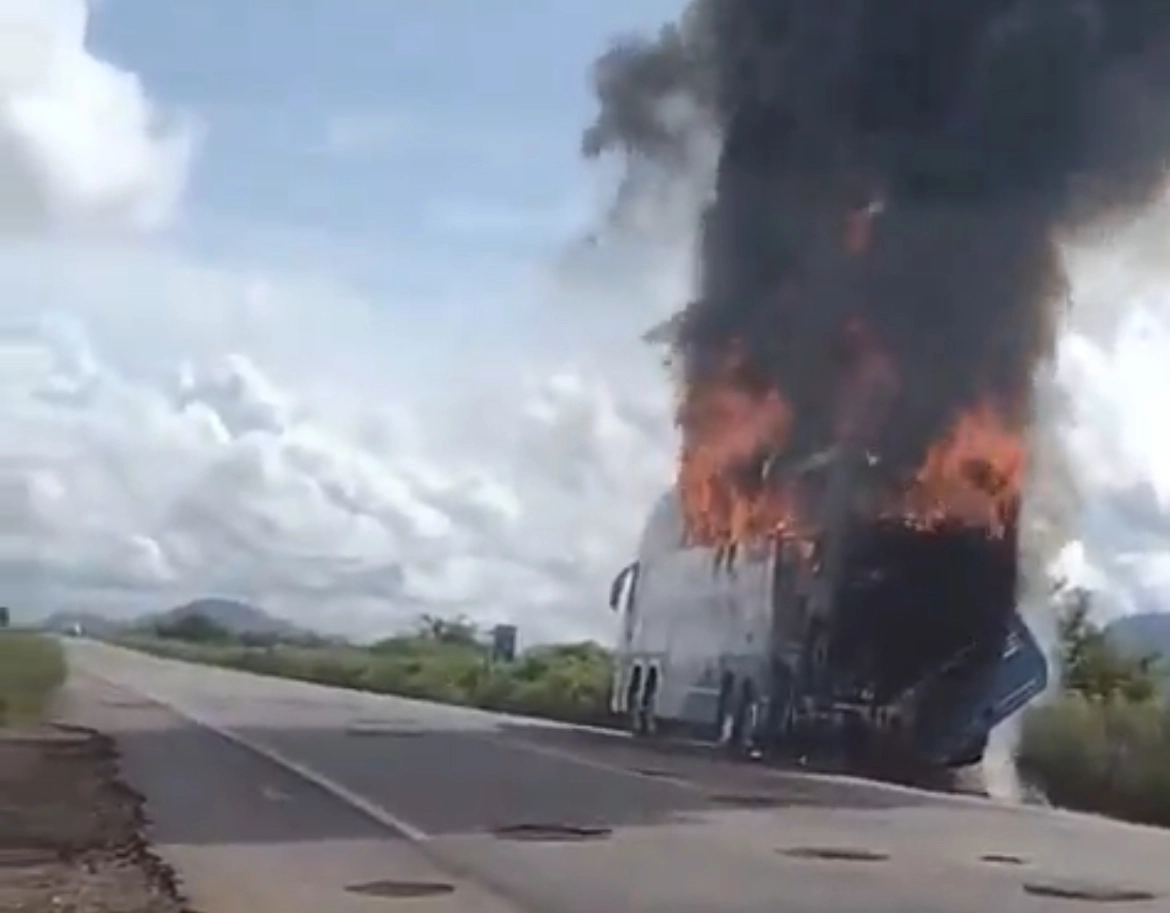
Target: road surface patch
x,y
653,772
835,854
378,730
746,800
551,833
1088,891
127,704
402,890
1002,859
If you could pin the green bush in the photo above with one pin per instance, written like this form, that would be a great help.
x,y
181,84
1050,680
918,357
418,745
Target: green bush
x,y
1109,756
569,681
1103,743
442,661
1093,666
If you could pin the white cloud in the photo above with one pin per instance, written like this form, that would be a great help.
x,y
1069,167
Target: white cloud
x,y
1115,364
170,427
220,479
80,143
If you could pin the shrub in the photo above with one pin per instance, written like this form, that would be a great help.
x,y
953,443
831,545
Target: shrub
x,y
1102,744
1103,755
31,669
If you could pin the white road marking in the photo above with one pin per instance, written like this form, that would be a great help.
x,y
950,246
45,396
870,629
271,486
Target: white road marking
x,y
376,812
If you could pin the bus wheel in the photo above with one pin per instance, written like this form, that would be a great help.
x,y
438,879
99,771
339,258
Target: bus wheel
x,y
647,706
743,731
633,698
724,716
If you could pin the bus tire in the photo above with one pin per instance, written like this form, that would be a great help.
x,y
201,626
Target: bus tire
x,y
724,717
633,697
745,706
646,721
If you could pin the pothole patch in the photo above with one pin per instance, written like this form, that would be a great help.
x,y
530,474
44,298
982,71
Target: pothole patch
x,y
127,704
551,833
1088,891
746,800
374,730
1003,859
401,890
835,854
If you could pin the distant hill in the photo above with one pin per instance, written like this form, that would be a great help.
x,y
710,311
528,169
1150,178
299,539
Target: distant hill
x,y
239,618
1142,634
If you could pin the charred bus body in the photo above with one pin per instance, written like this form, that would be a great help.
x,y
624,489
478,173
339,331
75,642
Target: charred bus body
x,y
877,645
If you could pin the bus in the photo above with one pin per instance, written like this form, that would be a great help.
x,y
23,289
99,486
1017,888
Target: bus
x,y
875,642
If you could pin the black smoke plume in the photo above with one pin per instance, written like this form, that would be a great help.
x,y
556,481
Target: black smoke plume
x,y
906,167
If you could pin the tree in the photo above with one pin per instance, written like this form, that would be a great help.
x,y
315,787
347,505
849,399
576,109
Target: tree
x,y
5,617
1094,667
458,631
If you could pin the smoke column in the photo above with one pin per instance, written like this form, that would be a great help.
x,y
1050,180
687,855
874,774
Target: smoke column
x,y
906,166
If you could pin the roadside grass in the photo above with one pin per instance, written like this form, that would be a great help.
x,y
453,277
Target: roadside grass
x,y
568,683
32,667
1108,756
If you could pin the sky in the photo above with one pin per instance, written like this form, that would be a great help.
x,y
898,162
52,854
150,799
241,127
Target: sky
x,y
298,304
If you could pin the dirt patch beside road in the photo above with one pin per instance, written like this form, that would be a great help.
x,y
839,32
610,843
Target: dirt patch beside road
x,y
71,833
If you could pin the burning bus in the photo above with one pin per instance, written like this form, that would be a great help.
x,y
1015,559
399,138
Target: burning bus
x,y
875,645
879,278
815,586
830,606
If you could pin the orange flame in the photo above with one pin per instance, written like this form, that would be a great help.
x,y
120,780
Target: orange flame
x,y
973,476
733,429
729,435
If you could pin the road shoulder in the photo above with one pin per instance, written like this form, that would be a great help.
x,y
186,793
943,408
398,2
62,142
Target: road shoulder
x,y
71,833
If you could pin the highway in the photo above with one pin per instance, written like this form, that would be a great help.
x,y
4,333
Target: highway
x,y
275,795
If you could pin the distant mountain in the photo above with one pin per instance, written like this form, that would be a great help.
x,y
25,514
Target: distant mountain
x,y
237,617
1142,634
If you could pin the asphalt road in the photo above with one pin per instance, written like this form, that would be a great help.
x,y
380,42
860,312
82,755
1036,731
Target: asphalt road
x,y
270,794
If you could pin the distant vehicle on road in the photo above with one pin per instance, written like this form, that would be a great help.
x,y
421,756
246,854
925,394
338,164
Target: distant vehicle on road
x,y
875,641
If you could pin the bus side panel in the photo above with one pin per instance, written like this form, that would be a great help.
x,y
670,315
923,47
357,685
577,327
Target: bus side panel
x,y
697,617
